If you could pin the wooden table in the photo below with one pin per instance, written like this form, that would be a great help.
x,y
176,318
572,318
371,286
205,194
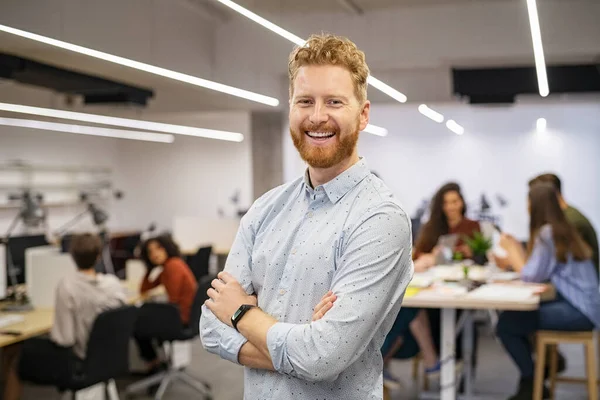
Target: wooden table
x,y
468,302
36,323
39,321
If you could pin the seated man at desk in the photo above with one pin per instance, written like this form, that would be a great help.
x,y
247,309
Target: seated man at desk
x,y
80,297
178,280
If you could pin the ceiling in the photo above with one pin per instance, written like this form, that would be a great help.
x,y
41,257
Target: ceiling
x,y
170,95
352,6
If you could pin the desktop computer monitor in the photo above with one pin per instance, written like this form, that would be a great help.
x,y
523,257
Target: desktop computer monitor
x,y
16,246
65,243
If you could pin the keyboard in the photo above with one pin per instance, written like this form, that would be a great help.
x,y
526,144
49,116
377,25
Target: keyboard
x,y
10,319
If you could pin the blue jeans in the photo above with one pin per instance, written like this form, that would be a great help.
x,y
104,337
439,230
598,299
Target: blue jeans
x,y
401,329
515,328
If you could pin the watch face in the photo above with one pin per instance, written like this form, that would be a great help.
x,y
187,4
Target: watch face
x,y
237,313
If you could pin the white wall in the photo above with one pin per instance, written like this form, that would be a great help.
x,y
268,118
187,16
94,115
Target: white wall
x,y
54,149
498,154
192,176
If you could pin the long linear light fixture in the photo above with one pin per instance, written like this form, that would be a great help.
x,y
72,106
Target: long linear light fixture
x,y
123,122
376,83
431,114
538,48
126,62
88,130
376,130
454,127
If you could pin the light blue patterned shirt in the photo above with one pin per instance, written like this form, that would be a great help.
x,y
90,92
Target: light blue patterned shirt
x,y
576,281
349,235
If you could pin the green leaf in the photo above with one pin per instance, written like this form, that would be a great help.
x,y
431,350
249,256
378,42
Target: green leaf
x,y
478,243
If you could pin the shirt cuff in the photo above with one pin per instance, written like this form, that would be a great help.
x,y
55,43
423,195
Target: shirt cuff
x,y
276,343
230,345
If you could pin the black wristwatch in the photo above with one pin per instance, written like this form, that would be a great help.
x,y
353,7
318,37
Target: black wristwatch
x,y
237,316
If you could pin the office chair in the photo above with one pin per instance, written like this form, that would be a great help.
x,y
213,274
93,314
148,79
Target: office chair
x,y
107,358
171,329
199,262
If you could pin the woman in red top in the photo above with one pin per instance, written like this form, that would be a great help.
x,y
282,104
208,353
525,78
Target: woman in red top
x,y
448,211
411,332
178,280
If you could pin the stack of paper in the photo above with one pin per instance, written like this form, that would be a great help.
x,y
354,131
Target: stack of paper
x,y
504,292
421,281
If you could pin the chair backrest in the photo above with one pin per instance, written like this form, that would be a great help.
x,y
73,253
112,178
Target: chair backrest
x,y
199,299
170,326
159,320
107,355
199,262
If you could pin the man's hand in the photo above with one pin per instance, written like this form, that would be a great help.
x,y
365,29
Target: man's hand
x,y
324,305
226,296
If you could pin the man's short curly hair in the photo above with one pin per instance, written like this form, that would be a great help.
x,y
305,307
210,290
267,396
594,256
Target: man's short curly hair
x,y
327,49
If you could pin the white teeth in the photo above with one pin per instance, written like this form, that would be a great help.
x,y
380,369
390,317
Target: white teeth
x,y
320,134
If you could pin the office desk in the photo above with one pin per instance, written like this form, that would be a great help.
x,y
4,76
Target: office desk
x,y
39,321
36,323
494,296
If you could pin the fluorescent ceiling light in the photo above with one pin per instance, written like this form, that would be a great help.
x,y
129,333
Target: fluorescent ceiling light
x,y
123,122
538,48
167,73
376,83
431,114
376,130
387,89
88,130
261,21
454,127
541,125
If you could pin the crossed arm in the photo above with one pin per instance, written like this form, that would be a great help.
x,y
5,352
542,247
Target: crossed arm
x,y
373,272
255,323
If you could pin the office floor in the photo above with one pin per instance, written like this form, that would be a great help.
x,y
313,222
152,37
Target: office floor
x,y
496,376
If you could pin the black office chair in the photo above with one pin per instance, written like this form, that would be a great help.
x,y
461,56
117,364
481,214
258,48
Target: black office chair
x,y
107,358
169,330
199,262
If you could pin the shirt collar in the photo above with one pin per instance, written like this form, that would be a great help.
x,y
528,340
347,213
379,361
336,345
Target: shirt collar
x,y
87,277
344,182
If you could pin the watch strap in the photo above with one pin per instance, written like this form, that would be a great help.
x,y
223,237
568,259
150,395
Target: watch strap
x,y
237,316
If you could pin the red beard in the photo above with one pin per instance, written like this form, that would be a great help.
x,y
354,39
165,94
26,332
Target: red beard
x,y
324,156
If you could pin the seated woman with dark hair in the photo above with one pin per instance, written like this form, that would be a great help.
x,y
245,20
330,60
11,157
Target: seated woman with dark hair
x,y
178,280
555,253
447,216
412,333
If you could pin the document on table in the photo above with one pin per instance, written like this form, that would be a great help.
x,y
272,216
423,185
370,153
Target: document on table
x,y
504,292
421,281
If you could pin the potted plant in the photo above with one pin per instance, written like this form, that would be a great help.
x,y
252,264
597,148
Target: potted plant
x,y
479,245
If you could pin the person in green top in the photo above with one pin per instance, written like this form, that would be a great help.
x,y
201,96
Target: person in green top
x,y
581,224
574,216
